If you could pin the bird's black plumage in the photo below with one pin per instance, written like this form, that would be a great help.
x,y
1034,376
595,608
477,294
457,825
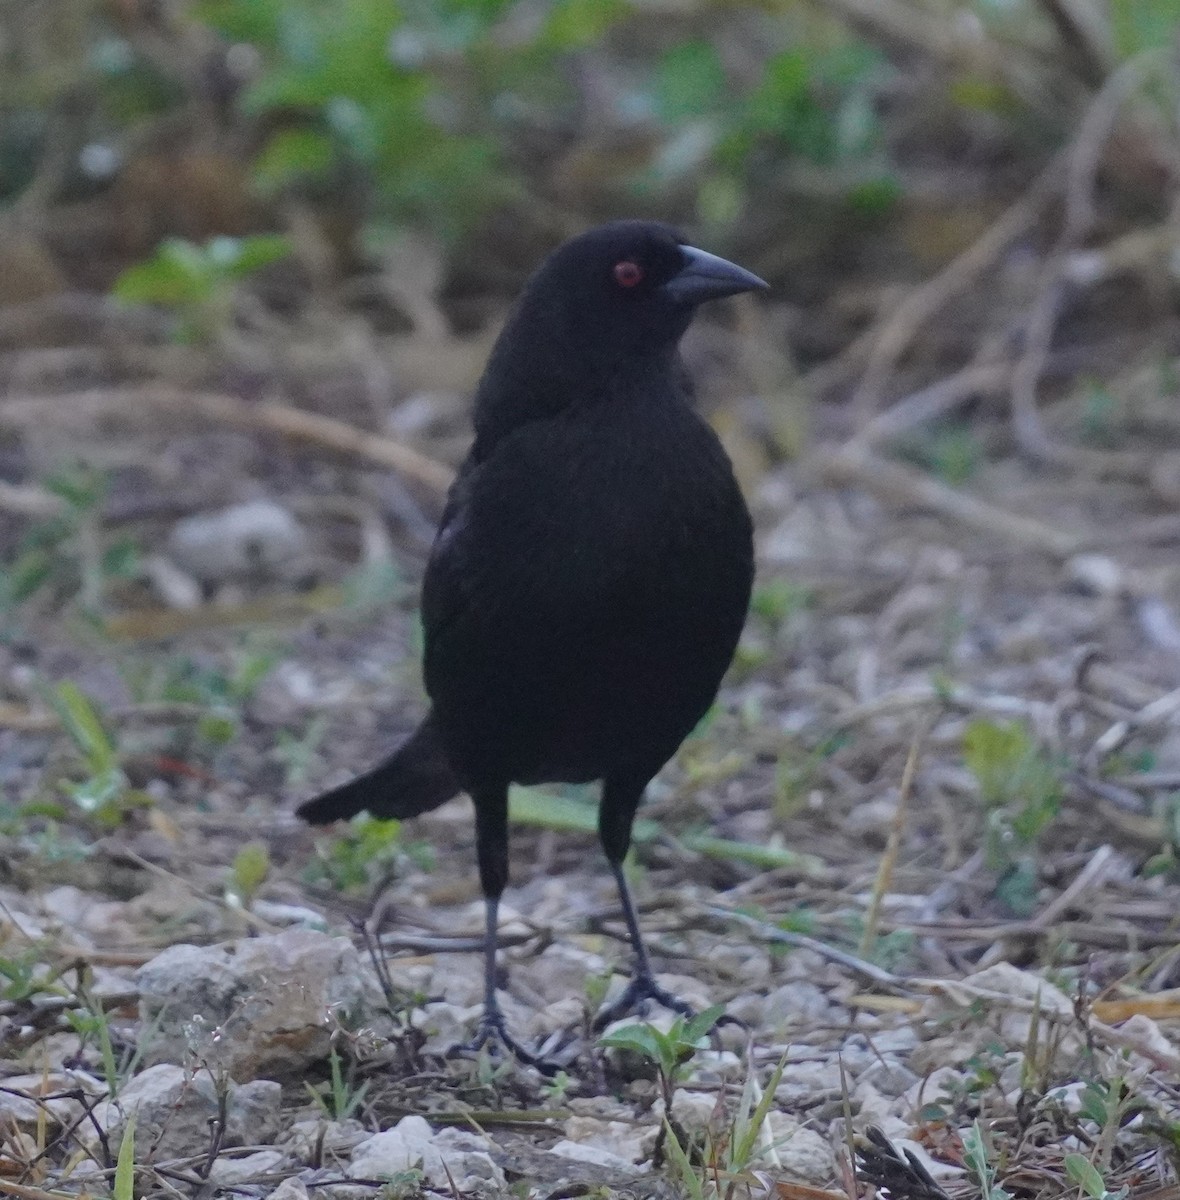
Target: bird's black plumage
x,y
592,571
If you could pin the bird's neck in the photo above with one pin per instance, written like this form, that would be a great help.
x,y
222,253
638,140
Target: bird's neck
x,y
542,380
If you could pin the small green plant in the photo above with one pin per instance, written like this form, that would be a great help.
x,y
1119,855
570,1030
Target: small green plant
x,y
977,1152
798,773
198,282
249,871
104,793
90,1022
1100,414
354,861
730,1156
403,1185
1021,789
557,1088
25,975
341,1097
222,690
960,1096
810,102
952,452
1167,860
297,751
596,987
669,1052
92,1027
66,555
365,101
123,1185
1089,1179
779,599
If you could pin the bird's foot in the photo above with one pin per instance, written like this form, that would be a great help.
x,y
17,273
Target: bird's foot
x,y
639,991
493,1035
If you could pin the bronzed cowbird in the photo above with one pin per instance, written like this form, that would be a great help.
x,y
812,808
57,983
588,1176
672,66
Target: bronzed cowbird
x,y
592,571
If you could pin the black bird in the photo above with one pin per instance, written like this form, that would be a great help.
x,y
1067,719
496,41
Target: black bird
x,y
592,571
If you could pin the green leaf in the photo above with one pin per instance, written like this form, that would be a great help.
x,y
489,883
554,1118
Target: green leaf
x,y
1005,760
82,723
123,1187
217,728
698,1026
684,1168
1140,25
572,24
237,258
532,806
765,1104
255,21
291,155
178,274
121,559
1083,1172
768,857
97,793
640,1039
250,869
690,81
28,573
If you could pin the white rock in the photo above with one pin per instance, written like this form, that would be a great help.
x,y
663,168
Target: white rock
x,y
695,1111
888,1076
1096,573
229,1172
318,1137
446,1025
26,1111
809,1081
172,1110
292,1188
259,536
175,588
872,1107
795,1004
1147,1040
561,1014
938,1170
619,1141
449,1155
872,820
801,1152
591,1153
259,1006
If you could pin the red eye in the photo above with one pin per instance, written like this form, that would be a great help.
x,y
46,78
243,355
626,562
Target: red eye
x,y
628,274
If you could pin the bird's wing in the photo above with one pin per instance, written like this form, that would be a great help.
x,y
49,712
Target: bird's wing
x,y
528,546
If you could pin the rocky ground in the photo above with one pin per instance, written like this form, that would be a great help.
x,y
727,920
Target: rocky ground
x,y
923,849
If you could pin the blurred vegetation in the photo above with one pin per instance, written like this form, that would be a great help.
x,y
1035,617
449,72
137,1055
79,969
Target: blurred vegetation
x,y
201,118
327,204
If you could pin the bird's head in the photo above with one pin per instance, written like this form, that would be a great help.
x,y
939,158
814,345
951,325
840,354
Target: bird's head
x,y
603,309
630,286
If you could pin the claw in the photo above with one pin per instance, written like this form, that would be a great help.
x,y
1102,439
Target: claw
x,y
493,1034
640,990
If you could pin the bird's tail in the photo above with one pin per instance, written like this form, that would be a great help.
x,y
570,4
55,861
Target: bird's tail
x,y
414,779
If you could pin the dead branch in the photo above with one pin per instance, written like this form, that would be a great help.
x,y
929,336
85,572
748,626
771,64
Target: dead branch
x,y
327,433
901,485
892,338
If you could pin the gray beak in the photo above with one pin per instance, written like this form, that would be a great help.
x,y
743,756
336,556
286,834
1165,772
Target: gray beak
x,y
704,277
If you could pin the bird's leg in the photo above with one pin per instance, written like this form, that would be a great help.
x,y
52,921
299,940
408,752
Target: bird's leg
x,y
491,844
643,986
616,813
